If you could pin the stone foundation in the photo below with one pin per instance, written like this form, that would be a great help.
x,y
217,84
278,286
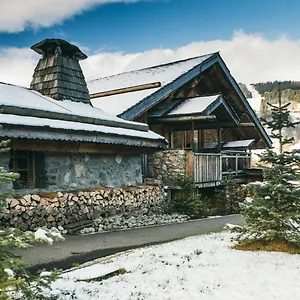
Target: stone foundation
x,y
59,209
168,165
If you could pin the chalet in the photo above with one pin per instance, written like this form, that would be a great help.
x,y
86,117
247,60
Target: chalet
x,y
59,141
198,107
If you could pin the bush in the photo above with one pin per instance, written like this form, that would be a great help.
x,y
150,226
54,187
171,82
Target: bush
x,y
229,197
186,202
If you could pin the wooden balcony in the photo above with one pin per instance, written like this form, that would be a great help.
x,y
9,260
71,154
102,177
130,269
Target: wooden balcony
x,y
210,168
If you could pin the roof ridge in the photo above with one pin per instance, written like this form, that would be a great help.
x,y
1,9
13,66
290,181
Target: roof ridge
x,y
155,66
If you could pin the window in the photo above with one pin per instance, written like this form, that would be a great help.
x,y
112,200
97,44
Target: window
x,y
30,165
210,138
181,139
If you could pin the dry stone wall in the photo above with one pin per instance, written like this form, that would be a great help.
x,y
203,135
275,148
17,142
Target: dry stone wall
x,y
168,165
79,171
28,212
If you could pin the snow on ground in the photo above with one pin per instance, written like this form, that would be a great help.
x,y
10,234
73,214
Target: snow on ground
x,y
202,267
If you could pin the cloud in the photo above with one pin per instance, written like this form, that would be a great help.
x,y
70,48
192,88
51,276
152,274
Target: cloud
x,y
17,65
250,58
17,15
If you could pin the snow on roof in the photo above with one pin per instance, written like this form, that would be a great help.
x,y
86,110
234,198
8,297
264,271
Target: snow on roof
x,y
76,126
17,96
164,74
238,144
194,105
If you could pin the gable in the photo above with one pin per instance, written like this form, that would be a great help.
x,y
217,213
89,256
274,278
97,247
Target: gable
x,y
122,104
208,74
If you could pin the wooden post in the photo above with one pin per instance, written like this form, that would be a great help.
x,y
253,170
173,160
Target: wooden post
x,y
189,164
219,138
192,135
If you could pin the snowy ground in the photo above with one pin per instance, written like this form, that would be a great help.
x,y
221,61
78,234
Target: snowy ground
x,y
202,267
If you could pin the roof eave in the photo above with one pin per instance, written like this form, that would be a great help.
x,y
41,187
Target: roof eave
x,y
47,133
253,116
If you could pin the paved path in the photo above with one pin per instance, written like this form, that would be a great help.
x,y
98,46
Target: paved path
x,y
82,248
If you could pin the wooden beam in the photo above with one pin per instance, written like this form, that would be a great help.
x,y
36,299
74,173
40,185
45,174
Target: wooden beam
x,y
246,125
75,147
185,119
129,89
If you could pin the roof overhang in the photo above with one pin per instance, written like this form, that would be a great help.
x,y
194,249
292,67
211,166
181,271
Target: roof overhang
x,y
23,127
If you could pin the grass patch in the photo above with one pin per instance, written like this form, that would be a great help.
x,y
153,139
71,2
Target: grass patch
x,y
270,246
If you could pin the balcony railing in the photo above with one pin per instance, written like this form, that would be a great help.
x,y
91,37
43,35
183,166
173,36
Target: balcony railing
x,y
235,162
209,168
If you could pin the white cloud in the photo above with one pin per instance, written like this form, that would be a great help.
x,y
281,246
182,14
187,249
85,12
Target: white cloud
x,y
250,58
17,15
17,65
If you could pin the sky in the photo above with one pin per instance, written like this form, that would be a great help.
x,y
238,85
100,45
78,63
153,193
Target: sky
x,y
258,39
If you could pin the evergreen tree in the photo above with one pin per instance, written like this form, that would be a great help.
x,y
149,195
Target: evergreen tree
x,y
272,212
15,281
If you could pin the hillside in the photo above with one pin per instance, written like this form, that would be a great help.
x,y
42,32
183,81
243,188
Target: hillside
x,y
290,92
272,86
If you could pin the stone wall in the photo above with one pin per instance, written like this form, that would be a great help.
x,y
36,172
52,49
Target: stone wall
x,y
168,165
65,171
62,209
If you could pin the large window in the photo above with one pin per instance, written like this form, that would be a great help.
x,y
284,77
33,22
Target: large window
x,y
198,140
30,166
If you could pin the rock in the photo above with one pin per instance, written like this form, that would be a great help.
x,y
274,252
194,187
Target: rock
x,y
50,218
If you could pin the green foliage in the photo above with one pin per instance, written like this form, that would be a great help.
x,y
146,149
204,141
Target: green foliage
x,y
272,86
15,281
186,202
229,197
272,211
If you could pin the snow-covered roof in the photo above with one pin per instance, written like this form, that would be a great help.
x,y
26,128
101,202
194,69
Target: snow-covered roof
x,y
17,96
91,120
165,74
75,126
239,144
194,105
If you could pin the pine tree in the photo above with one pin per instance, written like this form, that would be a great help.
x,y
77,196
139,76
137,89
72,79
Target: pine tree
x,y
272,212
15,281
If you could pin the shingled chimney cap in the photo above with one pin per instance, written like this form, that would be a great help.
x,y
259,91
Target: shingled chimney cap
x,y
49,47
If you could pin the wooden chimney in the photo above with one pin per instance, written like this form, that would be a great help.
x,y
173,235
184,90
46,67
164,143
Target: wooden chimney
x,y
58,73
